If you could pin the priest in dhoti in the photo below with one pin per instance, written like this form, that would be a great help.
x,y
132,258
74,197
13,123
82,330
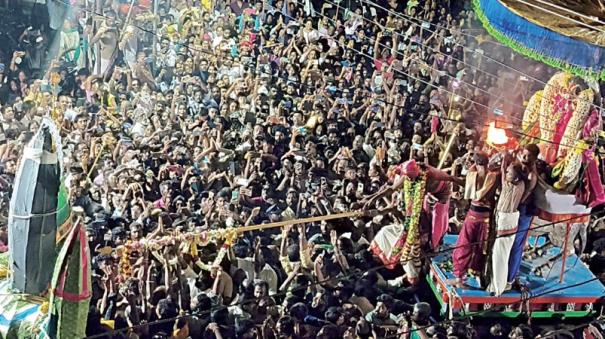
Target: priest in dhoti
x,y
507,218
436,200
471,247
527,157
422,188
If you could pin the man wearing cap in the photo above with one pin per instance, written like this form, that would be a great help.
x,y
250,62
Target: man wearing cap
x,y
470,250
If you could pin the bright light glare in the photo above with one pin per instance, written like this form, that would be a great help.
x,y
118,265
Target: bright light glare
x,y
496,136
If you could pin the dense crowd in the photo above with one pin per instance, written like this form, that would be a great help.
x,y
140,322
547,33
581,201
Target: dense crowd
x,y
244,113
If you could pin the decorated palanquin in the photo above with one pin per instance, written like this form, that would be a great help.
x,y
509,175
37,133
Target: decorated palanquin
x,y
565,123
563,120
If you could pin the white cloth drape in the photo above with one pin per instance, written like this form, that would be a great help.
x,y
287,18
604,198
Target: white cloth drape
x,y
506,226
105,64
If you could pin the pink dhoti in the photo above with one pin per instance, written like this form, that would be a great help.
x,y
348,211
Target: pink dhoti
x,y
593,192
469,252
438,213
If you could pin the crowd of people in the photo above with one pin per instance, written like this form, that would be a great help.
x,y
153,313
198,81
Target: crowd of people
x,y
213,115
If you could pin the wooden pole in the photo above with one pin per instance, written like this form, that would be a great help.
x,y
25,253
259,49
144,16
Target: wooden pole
x,y
97,25
298,221
447,150
451,103
450,143
127,21
155,27
565,244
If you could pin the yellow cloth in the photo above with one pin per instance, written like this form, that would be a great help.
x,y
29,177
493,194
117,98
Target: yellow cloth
x,y
110,323
312,122
288,214
286,264
305,258
193,246
44,307
181,333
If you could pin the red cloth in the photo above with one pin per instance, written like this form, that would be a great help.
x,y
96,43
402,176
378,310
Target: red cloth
x,y
468,253
565,107
437,215
434,124
410,169
592,192
592,124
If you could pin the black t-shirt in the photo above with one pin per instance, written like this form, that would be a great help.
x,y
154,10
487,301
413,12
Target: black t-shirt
x,y
4,91
156,328
597,264
152,191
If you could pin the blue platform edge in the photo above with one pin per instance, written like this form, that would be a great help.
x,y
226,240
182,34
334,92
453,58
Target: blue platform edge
x,y
576,272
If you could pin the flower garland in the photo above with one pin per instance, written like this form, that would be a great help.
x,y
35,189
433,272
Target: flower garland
x,y
124,267
124,253
189,244
413,199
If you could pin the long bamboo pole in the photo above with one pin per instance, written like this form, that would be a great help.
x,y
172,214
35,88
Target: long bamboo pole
x,y
155,27
298,221
96,26
127,21
448,148
230,234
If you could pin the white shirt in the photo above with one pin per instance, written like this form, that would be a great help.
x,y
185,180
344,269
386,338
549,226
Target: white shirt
x,y
268,274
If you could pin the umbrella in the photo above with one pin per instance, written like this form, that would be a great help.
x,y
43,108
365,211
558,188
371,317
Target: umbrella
x,y
32,221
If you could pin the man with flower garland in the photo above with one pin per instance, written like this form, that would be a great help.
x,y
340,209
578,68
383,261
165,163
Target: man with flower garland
x,y
424,201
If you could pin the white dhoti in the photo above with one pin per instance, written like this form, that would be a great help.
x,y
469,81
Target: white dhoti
x,y
388,243
506,227
105,64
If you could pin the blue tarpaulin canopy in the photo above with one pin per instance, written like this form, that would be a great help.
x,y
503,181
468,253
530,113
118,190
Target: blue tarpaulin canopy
x,y
537,39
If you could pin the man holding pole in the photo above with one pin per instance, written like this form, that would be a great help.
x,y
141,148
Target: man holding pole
x,y
425,199
107,37
527,157
470,250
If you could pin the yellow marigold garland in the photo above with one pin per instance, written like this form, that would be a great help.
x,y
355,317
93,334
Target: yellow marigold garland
x,y
414,198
